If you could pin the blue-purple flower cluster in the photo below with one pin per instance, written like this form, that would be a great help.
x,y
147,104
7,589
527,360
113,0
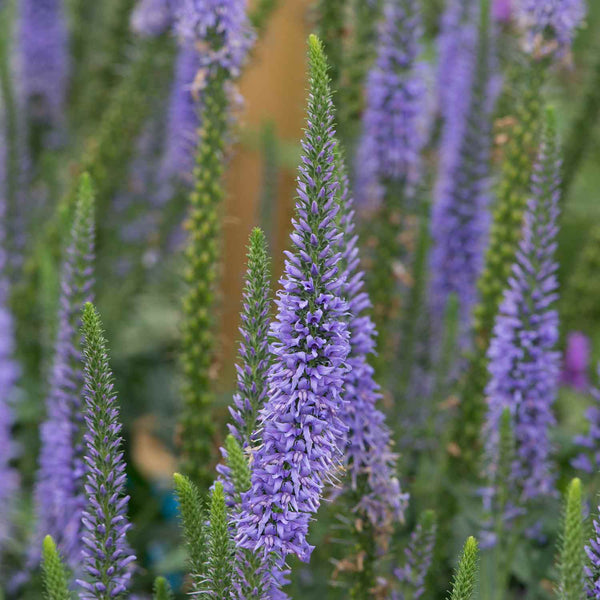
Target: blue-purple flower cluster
x,y
302,429
394,120
43,56
460,215
523,362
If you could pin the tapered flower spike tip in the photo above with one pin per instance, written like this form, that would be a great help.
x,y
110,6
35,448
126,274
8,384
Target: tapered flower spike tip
x,y
465,575
162,589
54,574
572,553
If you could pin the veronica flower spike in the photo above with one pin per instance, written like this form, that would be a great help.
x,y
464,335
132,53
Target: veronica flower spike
x,y
59,485
302,427
106,553
524,365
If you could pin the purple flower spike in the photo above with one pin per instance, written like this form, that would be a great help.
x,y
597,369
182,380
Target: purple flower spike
x,y
459,221
302,430
9,371
105,551
523,363
394,120
576,361
368,457
59,486
502,10
220,30
43,56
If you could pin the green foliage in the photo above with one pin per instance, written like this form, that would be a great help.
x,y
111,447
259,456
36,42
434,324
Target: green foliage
x,y
193,524
240,471
219,565
465,575
201,275
506,453
572,555
262,11
162,589
56,585
580,136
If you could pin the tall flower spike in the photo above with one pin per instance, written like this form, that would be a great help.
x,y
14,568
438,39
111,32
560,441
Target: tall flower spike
x,y
368,458
43,58
55,577
465,575
9,371
59,487
106,554
219,29
460,213
388,158
524,365
302,430
592,568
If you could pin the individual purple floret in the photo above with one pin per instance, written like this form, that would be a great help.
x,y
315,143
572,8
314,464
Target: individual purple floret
x,y
182,118
460,214
394,120
43,64
523,363
302,431
106,554
59,487
576,361
9,371
368,457
588,460
219,29
549,25
152,17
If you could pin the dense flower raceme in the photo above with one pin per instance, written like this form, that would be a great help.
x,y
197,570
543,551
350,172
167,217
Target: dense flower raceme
x,y
9,370
588,459
368,454
302,431
106,554
152,17
549,24
219,29
43,59
502,10
394,120
523,363
59,486
592,568
460,214
576,361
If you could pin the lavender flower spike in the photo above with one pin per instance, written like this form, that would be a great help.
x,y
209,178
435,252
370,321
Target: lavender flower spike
x,y
393,123
43,56
460,217
369,461
106,554
302,430
9,371
592,568
523,363
59,486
